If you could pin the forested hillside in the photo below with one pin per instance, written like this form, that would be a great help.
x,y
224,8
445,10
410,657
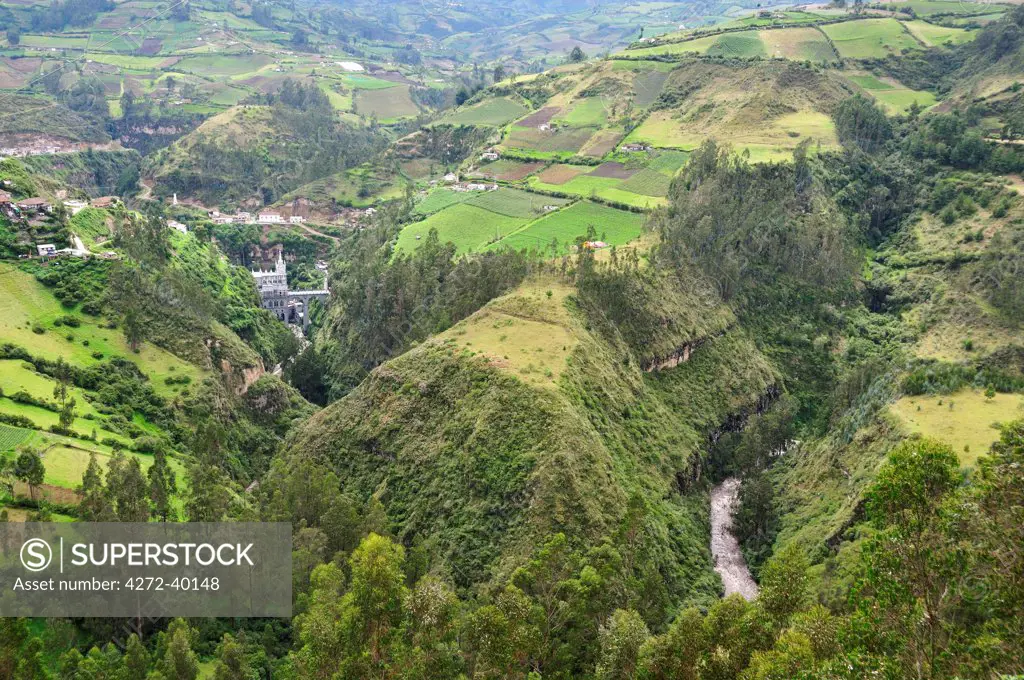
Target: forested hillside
x,y
699,359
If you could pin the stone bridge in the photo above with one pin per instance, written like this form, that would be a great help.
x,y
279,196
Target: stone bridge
x,y
304,296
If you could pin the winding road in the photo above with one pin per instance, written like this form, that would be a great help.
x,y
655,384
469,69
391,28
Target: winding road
x,y
725,549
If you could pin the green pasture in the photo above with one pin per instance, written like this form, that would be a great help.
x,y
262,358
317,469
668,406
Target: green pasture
x,y
469,227
514,202
589,112
497,111
613,226
386,104
932,34
870,38
439,199
25,303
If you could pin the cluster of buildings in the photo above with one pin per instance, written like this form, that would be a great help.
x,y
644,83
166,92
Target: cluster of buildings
x,y
75,206
20,208
242,217
452,180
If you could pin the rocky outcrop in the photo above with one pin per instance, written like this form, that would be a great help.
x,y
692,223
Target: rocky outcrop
x,y
680,355
241,380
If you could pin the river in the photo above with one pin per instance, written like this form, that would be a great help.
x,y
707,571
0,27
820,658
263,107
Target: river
x,y
725,549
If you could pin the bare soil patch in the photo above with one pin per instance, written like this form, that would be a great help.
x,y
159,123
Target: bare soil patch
x,y
539,117
613,170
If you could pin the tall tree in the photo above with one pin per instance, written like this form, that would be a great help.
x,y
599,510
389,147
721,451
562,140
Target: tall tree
x,y
208,496
29,468
179,661
126,488
232,663
95,504
163,485
136,658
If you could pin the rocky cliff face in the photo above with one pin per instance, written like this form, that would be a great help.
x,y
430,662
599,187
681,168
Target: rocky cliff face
x,y
242,379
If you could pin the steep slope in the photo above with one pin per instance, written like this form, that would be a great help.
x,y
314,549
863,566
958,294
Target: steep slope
x,y
254,154
533,417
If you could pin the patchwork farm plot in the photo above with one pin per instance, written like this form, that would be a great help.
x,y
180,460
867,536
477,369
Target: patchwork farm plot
x,y
386,104
470,228
870,38
497,111
643,182
933,34
547,144
893,96
509,170
561,229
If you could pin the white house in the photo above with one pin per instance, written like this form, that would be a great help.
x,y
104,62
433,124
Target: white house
x,y
490,156
269,218
296,219
451,178
223,219
174,224
243,217
74,207
46,250
350,66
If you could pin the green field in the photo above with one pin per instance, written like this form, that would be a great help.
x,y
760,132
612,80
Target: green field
x,y
439,199
895,98
514,202
927,7
615,227
870,38
589,112
24,302
470,228
668,162
10,436
18,376
963,420
65,465
45,419
647,190
497,111
223,65
362,82
932,35
386,104
132,63
662,130
648,183
340,102
69,42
